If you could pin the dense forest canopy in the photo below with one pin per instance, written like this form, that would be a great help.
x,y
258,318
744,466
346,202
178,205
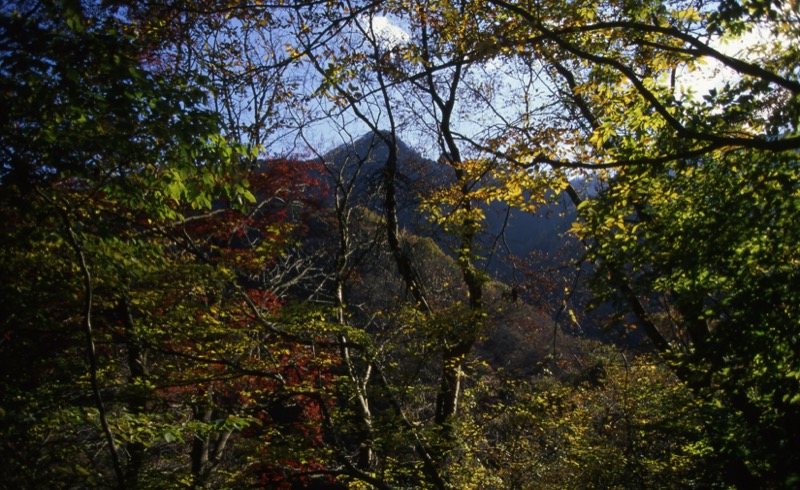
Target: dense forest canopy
x,y
303,244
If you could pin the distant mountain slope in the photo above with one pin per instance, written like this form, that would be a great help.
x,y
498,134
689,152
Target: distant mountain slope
x,y
361,164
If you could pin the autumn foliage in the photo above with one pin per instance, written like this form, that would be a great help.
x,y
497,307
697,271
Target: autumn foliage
x,y
224,266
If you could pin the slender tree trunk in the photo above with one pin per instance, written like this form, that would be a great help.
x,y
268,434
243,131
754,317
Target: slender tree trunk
x,y
92,352
453,358
366,457
199,453
137,364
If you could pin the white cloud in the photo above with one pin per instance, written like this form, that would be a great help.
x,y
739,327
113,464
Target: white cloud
x,y
386,32
712,74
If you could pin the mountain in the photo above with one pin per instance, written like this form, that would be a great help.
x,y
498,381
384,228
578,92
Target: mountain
x,y
359,168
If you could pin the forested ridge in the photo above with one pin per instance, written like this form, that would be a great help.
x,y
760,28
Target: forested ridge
x,y
446,244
